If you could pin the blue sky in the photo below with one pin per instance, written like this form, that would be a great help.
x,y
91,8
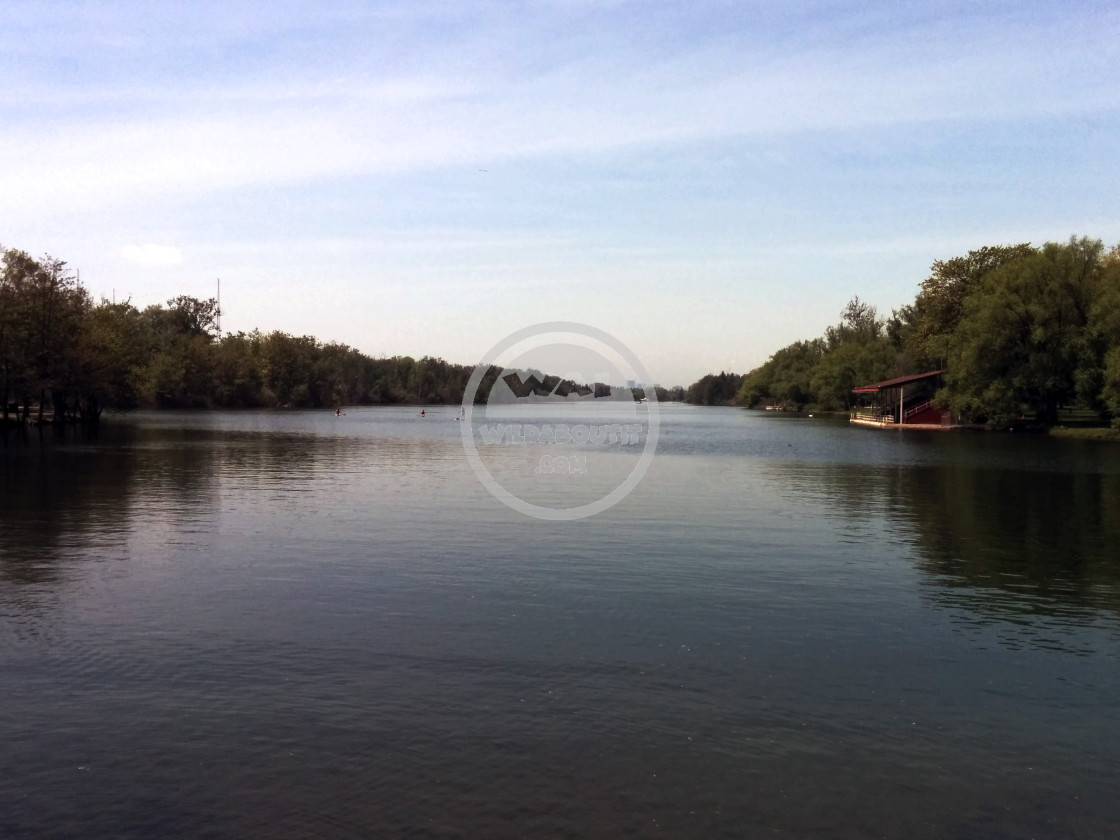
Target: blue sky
x,y
706,181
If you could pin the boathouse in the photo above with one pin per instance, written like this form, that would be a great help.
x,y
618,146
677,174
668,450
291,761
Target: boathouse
x,y
903,401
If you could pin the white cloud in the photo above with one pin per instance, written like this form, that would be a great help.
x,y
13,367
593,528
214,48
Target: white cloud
x,y
177,143
153,255
806,150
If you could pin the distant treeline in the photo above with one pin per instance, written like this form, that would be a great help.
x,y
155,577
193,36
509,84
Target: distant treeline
x,y
1020,330
65,357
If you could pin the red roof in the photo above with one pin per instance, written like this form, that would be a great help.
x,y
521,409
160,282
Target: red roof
x,y
894,383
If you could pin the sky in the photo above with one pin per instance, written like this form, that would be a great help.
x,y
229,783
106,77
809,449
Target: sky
x,y
706,181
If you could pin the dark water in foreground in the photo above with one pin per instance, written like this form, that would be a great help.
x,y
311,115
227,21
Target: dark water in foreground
x,y
292,625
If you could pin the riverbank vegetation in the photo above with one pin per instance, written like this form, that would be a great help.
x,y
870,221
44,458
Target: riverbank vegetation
x,y
1021,332
65,357
714,389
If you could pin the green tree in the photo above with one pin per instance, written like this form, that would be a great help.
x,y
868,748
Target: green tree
x,y
924,329
849,365
193,317
1024,341
1104,319
714,389
47,307
15,328
287,366
786,376
110,356
237,374
854,352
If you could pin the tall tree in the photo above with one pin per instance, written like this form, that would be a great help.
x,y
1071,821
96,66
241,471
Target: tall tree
x,y
1105,323
786,376
15,351
110,355
926,327
714,389
1024,337
43,308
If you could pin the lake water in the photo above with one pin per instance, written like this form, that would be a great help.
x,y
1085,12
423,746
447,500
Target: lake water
x,y
289,625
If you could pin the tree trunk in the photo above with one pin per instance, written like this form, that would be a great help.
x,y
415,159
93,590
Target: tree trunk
x,y
1051,413
91,414
58,405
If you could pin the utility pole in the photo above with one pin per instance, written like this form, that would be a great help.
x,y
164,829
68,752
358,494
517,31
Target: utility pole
x,y
219,313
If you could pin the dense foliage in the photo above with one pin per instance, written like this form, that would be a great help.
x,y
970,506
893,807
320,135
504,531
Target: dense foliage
x,y
1020,330
823,371
714,389
63,354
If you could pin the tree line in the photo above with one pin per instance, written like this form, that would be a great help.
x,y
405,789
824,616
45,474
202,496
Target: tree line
x,y
1021,331
65,357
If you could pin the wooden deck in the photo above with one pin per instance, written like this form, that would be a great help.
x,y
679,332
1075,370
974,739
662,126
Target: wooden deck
x,y
879,422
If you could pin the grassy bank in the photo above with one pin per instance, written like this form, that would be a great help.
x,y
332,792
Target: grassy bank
x,y
1083,424
1086,432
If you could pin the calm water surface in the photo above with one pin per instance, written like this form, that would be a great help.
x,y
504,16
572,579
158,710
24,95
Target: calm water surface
x,y
295,625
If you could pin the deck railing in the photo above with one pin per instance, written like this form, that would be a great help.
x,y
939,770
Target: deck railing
x,y
910,412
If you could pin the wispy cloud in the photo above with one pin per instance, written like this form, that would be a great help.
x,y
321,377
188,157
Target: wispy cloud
x,y
623,139
187,139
